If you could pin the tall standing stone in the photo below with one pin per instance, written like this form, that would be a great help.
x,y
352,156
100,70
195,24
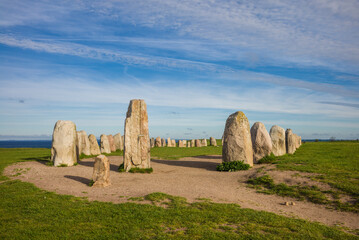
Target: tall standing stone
x,y
158,142
212,141
261,141
101,172
137,139
105,144
277,135
289,141
112,143
118,141
237,143
163,142
64,138
94,148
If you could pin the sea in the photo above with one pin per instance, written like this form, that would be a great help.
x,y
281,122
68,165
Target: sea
x,y
47,143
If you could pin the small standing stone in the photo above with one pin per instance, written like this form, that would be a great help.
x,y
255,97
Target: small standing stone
x,y
174,143
158,142
204,142
169,142
112,143
152,142
118,141
193,143
105,144
163,142
198,143
212,141
277,135
94,148
101,172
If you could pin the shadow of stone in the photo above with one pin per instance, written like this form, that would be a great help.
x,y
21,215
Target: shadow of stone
x,y
219,157
43,160
91,164
83,180
210,166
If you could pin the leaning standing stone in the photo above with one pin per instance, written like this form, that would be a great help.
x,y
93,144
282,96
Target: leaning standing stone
x,y
137,139
63,150
290,141
237,143
261,141
277,135
212,141
101,172
105,144
94,148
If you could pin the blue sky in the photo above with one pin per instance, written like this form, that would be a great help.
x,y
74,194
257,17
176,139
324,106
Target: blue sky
x,y
293,64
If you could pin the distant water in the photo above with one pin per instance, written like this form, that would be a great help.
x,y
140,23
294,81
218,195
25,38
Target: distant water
x,y
27,143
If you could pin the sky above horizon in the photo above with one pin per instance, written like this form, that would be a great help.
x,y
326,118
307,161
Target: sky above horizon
x,y
292,64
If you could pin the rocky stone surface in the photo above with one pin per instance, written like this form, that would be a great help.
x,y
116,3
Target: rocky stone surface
x,y
174,143
237,143
118,141
94,148
137,139
111,141
204,142
261,141
212,141
163,142
101,172
169,142
277,135
105,144
158,142
193,143
290,141
189,144
64,140
197,143
180,143
83,143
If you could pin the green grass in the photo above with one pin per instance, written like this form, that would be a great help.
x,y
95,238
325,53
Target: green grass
x,y
268,159
27,212
176,152
232,166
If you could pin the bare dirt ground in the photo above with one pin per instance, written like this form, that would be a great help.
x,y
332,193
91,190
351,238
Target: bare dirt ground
x,y
192,178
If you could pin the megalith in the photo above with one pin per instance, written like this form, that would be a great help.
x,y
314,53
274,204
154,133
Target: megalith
x,y
163,142
212,141
137,139
237,143
105,144
204,142
152,142
174,143
289,141
193,143
277,135
118,141
198,143
111,141
83,142
94,148
189,144
169,142
261,141
158,142
101,172
64,140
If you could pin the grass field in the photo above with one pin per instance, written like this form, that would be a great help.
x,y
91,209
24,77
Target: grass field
x,y
27,212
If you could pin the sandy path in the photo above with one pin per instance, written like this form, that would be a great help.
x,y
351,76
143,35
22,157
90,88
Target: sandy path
x,y
191,178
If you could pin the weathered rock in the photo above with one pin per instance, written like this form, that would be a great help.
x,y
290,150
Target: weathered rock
x,y
158,142
83,142
261,141
193,143
174,143
123,141
137,139
198,143
111,141
101,172
204,142
237,143
152,142
64,139
213,141
289,141
180,143
78,143
94,148
277,135
105,144
163,142
118,141
169,142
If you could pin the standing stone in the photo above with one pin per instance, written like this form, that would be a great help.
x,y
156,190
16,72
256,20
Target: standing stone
x,y
174,143
101,172
105,144
261,141
213,141
198,143
94,148
137,139
118,141
237,143
78,143
84,143
204,143
277,135
111,141
158,142
289,141
163,142
193,143
64,138
169,142
180,143
189,144
152,142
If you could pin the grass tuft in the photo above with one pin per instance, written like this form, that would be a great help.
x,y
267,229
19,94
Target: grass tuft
x,y
268,159
232,166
